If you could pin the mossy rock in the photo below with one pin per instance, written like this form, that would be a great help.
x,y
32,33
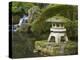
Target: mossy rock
x,y
69,48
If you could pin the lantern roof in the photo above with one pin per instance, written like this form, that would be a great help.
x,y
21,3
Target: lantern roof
x,y
57,19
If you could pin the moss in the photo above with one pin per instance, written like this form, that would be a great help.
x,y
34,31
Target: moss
x,y
70,48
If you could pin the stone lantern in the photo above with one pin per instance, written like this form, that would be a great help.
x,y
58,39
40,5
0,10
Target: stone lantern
x,y
57,31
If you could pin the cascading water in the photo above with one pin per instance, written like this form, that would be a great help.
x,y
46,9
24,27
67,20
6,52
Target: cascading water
x,y
22,20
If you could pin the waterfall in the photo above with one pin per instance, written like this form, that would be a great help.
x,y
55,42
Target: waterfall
x,y
22,20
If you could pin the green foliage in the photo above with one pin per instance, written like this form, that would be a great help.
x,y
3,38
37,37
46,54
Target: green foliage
x,y
20,7
34,13
71,48
54,49
72,30
68,11
61,10
15,19
22,45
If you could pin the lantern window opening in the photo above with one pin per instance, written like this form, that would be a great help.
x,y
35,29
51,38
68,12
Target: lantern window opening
x,y
57,25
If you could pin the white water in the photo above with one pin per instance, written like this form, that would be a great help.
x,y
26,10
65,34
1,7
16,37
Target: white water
x,y
22,20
